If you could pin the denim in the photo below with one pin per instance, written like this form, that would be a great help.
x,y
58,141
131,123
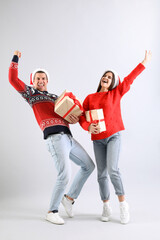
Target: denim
x,y
107,157
64,148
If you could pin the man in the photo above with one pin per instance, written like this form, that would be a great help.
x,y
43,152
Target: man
x,y
58,137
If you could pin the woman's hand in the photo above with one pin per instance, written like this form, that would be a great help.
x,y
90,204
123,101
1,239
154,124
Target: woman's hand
x,y
73,119
147,57
18,53
93,128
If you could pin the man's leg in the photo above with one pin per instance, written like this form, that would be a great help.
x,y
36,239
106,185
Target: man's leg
x,y
59,146
79,156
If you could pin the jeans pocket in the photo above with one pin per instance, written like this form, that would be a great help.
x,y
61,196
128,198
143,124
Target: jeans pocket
x,y
117,135
56,137
97,142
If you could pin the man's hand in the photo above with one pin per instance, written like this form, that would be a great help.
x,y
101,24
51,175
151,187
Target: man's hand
x,y
18,53
73,118
93,128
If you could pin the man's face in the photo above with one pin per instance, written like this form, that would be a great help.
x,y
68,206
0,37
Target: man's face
x,y
40,81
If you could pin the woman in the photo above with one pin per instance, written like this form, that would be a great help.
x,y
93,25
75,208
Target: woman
x,y
107,144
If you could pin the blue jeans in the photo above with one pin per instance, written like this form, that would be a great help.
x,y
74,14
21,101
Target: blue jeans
x,y
107,156
63,147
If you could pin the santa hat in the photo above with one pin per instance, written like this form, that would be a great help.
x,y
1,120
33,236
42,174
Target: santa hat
x,y
35,71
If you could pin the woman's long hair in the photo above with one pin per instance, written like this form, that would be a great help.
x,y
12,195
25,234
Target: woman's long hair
x,y
112,83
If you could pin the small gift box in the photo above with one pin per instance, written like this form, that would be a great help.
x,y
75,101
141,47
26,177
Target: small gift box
x,y
96,116
68,104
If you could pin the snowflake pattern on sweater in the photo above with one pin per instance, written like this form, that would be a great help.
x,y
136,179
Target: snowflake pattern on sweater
x,y
33,96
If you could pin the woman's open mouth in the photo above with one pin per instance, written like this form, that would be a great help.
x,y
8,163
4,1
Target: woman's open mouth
x,y
104,81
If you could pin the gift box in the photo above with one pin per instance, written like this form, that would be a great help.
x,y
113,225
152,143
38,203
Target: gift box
x,y
96,116
67,104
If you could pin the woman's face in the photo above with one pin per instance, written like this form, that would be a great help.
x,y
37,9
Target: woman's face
x,y
106,80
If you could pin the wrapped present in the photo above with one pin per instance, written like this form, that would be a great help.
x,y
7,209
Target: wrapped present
x,y
68,104
96,116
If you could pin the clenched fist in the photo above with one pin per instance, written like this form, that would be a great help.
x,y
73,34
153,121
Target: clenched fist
x,y
18,53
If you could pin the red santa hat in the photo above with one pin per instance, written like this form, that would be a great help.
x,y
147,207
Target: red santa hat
x,y
35,71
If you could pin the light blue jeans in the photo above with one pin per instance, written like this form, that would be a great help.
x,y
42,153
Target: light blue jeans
x,y
107,156
63,147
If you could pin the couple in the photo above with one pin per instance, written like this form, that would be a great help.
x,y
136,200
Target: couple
x,y
64,147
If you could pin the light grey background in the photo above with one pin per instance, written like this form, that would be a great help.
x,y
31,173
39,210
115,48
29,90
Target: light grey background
x,y
76,41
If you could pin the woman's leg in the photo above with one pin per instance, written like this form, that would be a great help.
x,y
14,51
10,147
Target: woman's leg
x,y
113,150
100,151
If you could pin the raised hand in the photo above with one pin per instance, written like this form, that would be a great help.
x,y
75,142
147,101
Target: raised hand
x,y
147,58
18,53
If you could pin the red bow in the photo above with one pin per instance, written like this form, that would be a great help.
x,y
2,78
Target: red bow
x,y
95,121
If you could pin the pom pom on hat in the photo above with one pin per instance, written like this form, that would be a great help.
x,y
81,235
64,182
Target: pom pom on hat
x,y
35,71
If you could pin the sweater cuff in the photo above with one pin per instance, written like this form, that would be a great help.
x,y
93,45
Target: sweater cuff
x,y
15,58
142,66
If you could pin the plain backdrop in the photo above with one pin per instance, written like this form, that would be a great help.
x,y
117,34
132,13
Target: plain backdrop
x,y
76,41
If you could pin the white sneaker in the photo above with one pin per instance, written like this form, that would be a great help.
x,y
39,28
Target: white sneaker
x,y
124,212
68,205
107,211
54,218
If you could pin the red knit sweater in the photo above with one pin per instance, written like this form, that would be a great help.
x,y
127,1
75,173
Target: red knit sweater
x,y
110,102
42,104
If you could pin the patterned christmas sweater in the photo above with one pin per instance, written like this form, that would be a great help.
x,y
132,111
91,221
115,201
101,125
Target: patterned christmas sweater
x,y
42,104
110,103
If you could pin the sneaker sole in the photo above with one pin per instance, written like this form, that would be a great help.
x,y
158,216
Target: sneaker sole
x,y
54,222
105,219
125,222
